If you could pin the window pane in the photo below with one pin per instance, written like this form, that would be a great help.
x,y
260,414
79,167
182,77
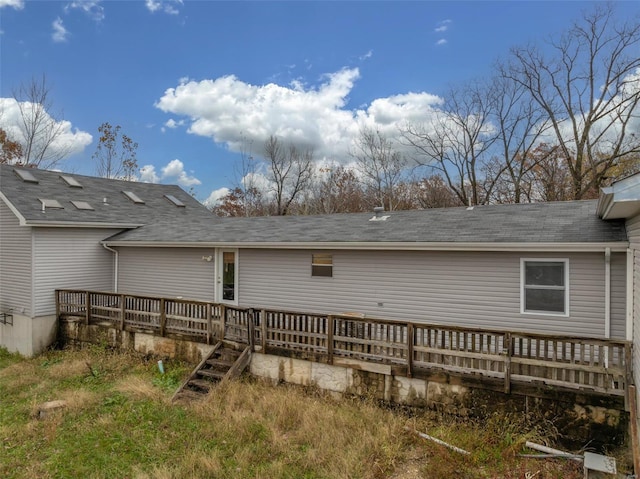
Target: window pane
x,y
229,276
321,270
540,273
326,259
544,300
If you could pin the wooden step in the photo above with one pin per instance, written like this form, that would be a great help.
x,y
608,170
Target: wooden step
x,y
210,373
200,384
220,363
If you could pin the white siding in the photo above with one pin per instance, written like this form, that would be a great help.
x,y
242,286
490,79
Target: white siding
x,y
167,272
69,258
480,289
15,263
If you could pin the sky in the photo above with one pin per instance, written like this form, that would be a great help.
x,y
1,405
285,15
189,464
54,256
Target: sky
x,y
196,82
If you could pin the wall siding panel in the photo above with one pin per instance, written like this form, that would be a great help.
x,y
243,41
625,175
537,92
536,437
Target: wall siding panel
x,y
15,263
70,258
167,272
455,288
633,232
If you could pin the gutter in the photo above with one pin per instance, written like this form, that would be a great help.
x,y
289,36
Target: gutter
x,y
618,246
115,272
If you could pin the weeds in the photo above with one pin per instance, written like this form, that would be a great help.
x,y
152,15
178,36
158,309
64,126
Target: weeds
x,y
118,422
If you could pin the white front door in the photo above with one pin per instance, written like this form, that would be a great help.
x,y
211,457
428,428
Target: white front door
x,y
227,276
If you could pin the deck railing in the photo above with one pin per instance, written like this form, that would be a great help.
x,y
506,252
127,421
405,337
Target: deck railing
x,y
599,366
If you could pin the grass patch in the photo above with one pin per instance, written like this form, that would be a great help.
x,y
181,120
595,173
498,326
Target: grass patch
x,y
119,422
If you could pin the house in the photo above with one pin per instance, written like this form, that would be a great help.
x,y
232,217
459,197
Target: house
x,y
51,228
566,268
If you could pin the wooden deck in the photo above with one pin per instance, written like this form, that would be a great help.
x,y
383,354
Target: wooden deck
x,y
508,359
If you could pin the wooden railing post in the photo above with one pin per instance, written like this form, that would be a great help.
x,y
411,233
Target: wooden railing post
x,y
209,324
330,326
87,315
123,309
57,304
628,360
163,317
263,326
507,362
223,320
410,341
251,328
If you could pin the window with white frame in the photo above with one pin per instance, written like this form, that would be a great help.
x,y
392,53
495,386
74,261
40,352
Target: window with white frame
x,y
321,264
544,286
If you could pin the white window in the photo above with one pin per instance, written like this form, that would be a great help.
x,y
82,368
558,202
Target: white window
x,y
321,264
544,286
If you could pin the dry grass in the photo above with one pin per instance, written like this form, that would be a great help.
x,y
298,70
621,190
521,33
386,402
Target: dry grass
x,y
119,422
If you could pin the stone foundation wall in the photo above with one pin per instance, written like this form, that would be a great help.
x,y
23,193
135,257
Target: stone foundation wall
x,y
579,419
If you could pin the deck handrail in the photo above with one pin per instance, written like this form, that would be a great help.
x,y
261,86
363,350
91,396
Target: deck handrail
x,y
599,366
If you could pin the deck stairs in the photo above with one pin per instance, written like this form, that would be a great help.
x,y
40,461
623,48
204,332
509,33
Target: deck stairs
x,y
226,361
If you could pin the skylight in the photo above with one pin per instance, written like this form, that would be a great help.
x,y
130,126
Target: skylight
x,y
50,204
133,197
82,205
174,200
26,176
71,181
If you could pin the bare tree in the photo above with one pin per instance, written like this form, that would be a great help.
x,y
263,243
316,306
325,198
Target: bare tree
x,y
456,142
381,166
290,171
589,88
336,189
115,154
41,128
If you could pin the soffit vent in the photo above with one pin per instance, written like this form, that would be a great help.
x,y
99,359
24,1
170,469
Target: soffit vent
x,y
26,176
175,201
71,181
133,197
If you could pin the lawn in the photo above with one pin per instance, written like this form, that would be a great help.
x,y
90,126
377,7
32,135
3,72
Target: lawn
x,y
119,423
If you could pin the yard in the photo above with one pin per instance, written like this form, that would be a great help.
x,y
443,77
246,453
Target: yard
x,y
118,422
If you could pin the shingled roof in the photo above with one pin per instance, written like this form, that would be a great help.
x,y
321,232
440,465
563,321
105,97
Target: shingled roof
x,y
560,222
110,207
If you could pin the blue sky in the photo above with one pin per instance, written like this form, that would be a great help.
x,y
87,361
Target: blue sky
x,y
190,80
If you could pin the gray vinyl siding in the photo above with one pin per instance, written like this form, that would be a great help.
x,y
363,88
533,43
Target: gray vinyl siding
x,y
69,258
15,263
474,289
633,231
167,272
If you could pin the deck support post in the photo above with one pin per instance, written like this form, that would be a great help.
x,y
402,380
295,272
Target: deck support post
x,y
163,317
123,308
628,360
251,328
209,324
330,327
87,315
410,342
507,362
57,304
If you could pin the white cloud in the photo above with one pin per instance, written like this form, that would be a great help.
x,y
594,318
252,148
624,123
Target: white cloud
x,y
170,7
91,8
70,140
369,54
442,41
234,113
171,123
17,4
215,196
172,172
60,33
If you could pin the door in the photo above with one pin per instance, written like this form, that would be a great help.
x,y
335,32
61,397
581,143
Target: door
x,y
228,277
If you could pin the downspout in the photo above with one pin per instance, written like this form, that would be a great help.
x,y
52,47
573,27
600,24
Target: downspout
x,y
607,293
607,301
115,272
630,263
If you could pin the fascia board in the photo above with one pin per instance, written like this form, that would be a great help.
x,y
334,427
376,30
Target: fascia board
x,y
73,224
619,246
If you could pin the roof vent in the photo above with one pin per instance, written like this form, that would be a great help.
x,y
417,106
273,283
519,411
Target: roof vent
x,y
378,210
133,197
51,204
26,176
71,181
175,201
82,205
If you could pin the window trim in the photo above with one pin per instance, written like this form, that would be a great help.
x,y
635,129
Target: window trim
x,y
329,267
567,302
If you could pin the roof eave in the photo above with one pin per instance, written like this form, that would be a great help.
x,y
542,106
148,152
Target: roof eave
x,y
396,246
80,224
